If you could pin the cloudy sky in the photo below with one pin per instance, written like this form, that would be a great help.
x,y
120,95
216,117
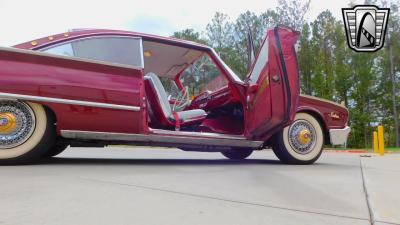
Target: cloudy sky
x,y
24,20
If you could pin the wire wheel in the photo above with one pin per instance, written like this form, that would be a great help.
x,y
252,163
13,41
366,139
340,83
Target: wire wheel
x,y
302,136
17,123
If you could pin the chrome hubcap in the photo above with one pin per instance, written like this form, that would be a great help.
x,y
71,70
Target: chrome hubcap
x,y
302,136
17,123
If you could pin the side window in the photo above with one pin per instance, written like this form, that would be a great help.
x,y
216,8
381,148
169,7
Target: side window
x,y
203,75
259,64
122,50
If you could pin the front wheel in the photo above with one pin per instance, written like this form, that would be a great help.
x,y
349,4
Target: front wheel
x,y
301,142
26,132
237,154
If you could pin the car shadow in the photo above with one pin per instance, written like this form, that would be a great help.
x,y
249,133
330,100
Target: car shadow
x,y
166,162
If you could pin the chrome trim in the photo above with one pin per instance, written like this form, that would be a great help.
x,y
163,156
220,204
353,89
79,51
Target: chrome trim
x,y
339,136
177,138
142,52
10,96
197,134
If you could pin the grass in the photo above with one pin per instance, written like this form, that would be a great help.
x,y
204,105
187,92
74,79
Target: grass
x,y
392,149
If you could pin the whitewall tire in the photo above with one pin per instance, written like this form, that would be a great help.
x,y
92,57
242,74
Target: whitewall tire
x,y
301,142
26,132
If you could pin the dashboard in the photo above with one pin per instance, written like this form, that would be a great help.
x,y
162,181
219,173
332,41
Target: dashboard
x,y
209,100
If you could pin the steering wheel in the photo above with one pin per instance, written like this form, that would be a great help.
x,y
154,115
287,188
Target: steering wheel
x,y
182,100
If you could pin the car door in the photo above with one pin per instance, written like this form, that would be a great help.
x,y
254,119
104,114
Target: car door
x,y
272,85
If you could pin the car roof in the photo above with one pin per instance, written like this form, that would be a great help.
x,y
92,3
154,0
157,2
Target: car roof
x,y
82,33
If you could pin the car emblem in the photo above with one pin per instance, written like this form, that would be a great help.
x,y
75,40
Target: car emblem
x,y
334,115
365,27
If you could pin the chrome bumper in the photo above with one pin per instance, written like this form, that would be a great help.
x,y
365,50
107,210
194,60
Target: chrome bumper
x,y
339,136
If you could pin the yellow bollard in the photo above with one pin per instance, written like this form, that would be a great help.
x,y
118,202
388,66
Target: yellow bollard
x,y
381,143
375,142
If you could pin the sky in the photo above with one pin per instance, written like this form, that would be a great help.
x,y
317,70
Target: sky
x,y
25,20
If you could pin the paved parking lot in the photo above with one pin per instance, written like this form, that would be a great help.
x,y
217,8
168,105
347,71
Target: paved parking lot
x,y
168,186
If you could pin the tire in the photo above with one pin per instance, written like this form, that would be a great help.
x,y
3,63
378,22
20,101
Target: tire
x,y
57,149
237,154
26,132
301,142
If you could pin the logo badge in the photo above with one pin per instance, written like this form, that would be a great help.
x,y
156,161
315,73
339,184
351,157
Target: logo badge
x,y
365,27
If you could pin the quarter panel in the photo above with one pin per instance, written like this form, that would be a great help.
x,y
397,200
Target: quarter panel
x,y
334,115
38,74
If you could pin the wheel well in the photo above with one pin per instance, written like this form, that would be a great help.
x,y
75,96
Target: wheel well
x,y
51,113
321,121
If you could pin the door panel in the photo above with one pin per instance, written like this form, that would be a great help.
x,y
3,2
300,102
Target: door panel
x,y
273,85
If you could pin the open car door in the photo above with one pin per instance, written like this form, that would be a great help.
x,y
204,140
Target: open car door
x,y
272,85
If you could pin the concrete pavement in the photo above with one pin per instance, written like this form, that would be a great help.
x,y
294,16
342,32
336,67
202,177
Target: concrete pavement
x,y
168,186
382,181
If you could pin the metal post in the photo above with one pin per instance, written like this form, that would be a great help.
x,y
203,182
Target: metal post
x,y
375,142
381,142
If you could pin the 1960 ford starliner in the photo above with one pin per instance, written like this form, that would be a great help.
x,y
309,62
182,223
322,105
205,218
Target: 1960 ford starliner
x,y
101,87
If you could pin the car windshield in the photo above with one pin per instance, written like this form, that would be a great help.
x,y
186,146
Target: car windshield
x,y
203,76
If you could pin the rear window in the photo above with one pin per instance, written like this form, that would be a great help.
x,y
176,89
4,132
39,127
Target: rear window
x,y
122,50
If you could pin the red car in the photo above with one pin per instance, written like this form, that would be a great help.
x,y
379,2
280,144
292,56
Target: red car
x,y
102,87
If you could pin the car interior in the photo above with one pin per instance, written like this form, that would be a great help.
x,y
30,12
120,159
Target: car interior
x,y
185,88
187,91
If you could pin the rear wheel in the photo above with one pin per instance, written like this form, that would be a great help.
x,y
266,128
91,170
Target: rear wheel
x,y
301,142
26,132
237,154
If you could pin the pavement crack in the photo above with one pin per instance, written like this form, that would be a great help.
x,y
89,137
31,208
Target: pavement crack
x,y
223,199
367,198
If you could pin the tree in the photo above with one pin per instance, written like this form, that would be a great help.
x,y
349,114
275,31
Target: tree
x,y
293,13
392,37
306,60
220,31
323,33
189,35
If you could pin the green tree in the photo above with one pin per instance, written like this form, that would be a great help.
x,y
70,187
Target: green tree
x,y
323,33
189,35
306,60
293,13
